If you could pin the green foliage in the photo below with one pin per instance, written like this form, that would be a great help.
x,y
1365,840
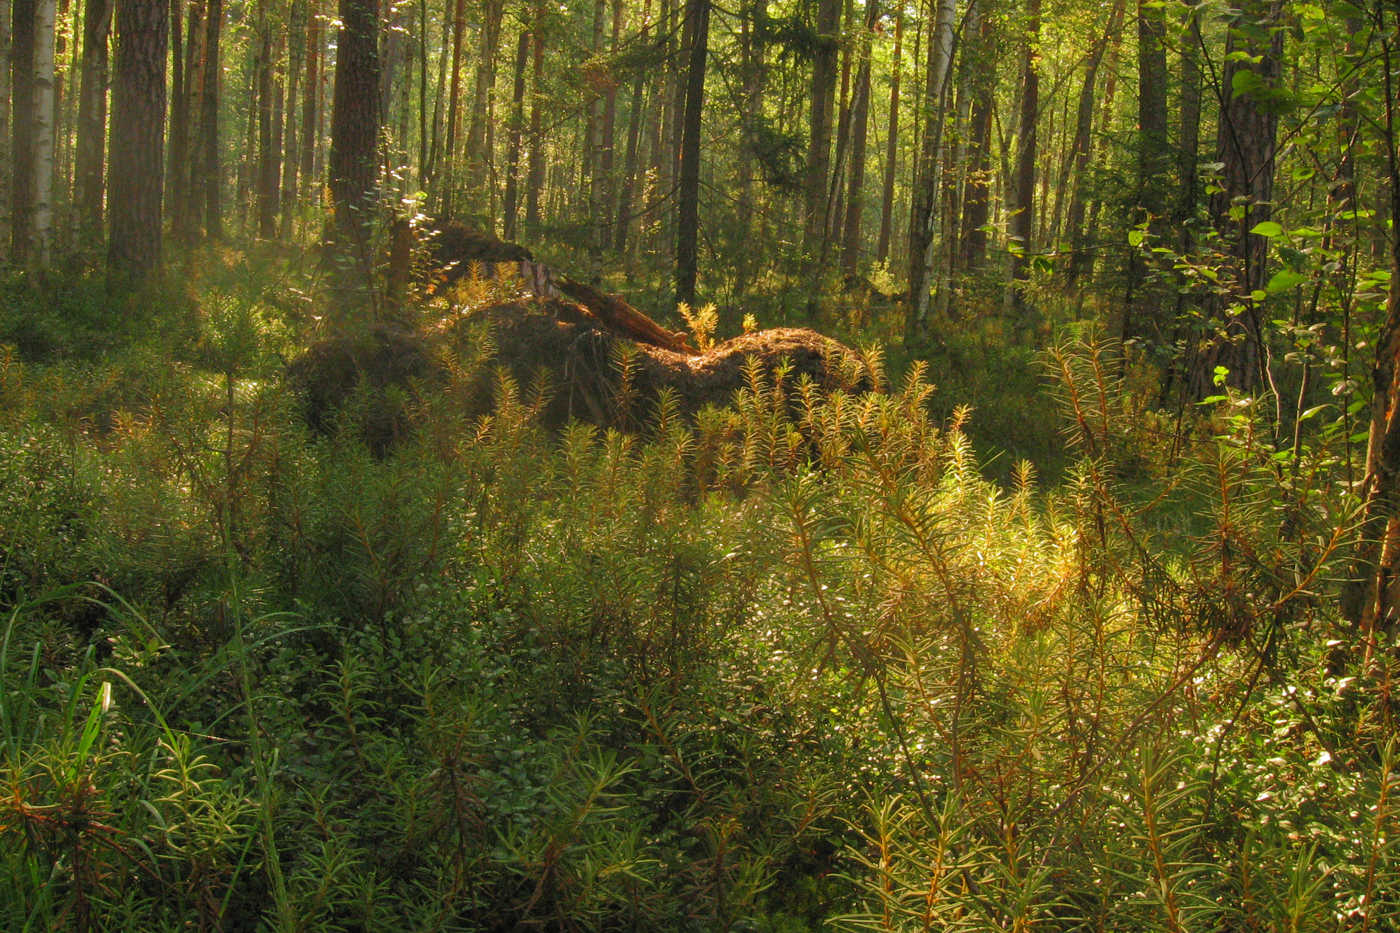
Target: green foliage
x,y
797,662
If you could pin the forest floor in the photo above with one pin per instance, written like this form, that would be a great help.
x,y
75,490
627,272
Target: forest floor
x,y
389,631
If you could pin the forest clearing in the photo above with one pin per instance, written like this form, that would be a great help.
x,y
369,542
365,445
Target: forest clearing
x,y
667,465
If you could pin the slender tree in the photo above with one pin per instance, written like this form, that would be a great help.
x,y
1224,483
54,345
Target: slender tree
x,y
41,233
824,67
92,117
882,248
860,118
310,120
1246,143
511,207
928,182
697,15
138,137
1020,227
209,193
1082,147
355,118
534,173
459,27
23,13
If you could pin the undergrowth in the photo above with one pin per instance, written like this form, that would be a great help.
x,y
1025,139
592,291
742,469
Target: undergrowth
x,y
795,663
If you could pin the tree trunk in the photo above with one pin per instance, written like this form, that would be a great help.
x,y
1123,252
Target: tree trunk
x,y
447,176
92,117
268,173
1084,142
1140,317
534,174
42,236
355,119
22,61
138,125
478,153
833,212
824,62
607,204
177,147
1370,598
1019,229
212,195
309,118
634,136
290,147
1246,142
697,15
882,250
928,182
860,118
517,118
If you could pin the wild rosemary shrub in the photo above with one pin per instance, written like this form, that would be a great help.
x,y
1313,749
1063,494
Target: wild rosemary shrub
x,y
797,663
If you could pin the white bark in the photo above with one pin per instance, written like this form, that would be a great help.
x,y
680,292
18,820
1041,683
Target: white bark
x,y
43,131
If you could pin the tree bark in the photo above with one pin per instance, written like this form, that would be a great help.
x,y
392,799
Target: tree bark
x,y
478,156
606,206
882,249
138,136
268,167
211,195
1084,143
1020,227
688,210
634,136
860,119
41,244
92,117
1140,317
355,118
517,118
824,63
928,182
1369,598
22,63
447,176
309,118
534,174
1246,142
290,142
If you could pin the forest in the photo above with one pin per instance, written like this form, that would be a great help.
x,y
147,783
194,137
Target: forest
x,y
764,465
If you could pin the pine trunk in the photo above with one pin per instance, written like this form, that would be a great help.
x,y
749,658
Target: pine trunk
x,y
22,63
697,15
92,117
928,181
1246,143
41,243
212,172
534,175
517,118
1020,228
882,249
824,62
1083,144
138,124
355,120
860,118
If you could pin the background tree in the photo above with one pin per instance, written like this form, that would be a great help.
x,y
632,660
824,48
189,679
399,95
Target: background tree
x,y
355,119
136,177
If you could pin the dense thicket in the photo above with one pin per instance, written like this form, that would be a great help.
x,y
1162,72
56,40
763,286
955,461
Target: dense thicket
x,y
424,653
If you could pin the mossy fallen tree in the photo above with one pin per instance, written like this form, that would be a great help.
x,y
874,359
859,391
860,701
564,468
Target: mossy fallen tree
x,y
605,363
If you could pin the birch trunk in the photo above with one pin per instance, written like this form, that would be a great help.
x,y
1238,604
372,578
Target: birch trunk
x,y
928,181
